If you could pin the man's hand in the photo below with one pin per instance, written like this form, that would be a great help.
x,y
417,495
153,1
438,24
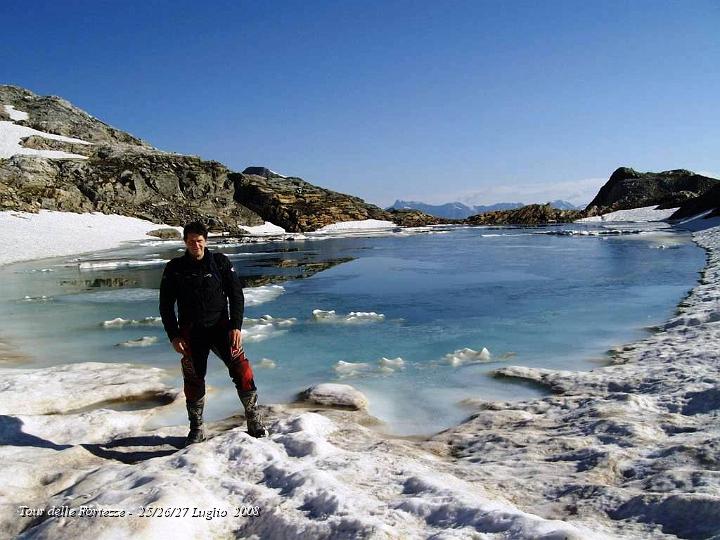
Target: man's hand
x,y
180,345
235,339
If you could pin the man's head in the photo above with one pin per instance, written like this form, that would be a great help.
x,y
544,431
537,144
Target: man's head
x,y
195,237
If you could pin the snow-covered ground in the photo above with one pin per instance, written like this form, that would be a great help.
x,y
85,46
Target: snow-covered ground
x,y
264,230
630,450
637,215
11,135
53,234
365,224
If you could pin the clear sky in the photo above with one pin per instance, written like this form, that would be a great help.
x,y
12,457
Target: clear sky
x,y
479,101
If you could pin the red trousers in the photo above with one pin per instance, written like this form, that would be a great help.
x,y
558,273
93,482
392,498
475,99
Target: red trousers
x,y
194,364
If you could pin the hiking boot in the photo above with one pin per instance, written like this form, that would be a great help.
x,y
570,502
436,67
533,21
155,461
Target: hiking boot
x,y
256,426
195,415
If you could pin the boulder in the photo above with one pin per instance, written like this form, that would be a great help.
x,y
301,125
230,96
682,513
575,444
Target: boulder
x,y
334,395
297,205
166,233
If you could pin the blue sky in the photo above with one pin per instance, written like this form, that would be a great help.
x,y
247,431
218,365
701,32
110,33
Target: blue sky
x,y
479,101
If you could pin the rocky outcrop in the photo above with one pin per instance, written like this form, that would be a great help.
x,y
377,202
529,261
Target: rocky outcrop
x,y
53,114
297,205
132,181
707,202
628,189
532,214
416,218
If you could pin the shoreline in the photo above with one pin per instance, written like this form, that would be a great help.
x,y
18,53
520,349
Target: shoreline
x,y
491,471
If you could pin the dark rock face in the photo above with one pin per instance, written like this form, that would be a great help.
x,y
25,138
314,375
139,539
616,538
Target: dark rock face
x,y
298,206
628,188
532,214
708,201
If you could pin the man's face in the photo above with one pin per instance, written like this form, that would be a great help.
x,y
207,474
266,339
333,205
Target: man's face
x,y
195,244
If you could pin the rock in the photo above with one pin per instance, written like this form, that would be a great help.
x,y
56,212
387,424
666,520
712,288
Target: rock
x,y
166,233
532,214
335,395
297,205
417,218
53,114
708,201
628,188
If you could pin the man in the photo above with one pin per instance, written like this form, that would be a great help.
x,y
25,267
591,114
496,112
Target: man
x,y
201,282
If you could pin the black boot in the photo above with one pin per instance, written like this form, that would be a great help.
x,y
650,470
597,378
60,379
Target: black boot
x,y
195,415
255,425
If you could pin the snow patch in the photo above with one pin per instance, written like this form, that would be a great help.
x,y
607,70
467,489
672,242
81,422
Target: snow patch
x,y
361,225
11,135
264,230
56,389
636,215
16,115
53,234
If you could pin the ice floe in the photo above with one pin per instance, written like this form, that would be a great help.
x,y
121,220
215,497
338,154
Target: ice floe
x,y
383,366
330,316
42,298
467,356
391,364
265,327
119,264
144,341
351,369
119,322
259,295
267,363
589,232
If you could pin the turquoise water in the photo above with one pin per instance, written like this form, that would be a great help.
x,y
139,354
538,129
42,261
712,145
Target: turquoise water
x,y
532,299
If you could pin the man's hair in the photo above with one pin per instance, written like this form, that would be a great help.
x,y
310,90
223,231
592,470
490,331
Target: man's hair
x,y
195,227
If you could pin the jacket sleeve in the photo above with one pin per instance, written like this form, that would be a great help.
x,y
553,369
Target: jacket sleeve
x,y
233,287
168,296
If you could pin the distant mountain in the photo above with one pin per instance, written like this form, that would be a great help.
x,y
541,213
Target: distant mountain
x,y
564,205
453,210
458,210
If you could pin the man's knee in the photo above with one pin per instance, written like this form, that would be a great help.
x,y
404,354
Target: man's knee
x,y
241,372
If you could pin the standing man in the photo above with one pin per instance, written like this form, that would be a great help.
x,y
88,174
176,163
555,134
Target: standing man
x,y
201,282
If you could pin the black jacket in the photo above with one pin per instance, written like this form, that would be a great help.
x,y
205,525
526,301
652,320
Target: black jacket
x,y
201,290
